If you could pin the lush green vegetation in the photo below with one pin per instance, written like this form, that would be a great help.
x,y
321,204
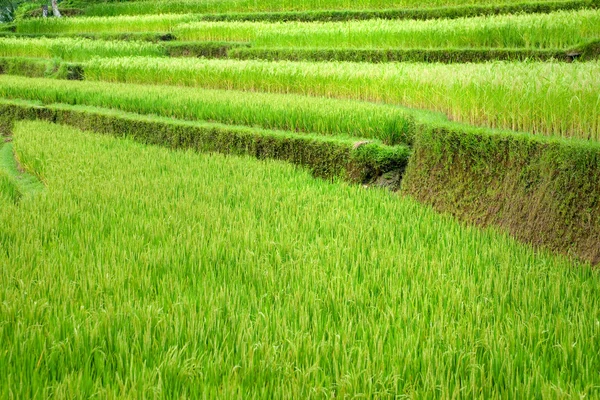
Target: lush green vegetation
x,y
447,55
541,98
74,49
142,271
114,8
295,113
162,233
149,23
560,29
554,30
328,157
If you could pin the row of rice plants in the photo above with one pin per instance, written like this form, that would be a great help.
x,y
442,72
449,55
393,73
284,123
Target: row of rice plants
x,y
152,271
555,30
542,98
75,49
559,29
119,24
390,124
211,6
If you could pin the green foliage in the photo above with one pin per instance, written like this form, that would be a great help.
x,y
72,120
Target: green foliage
x,y
326,157
144,272
206,49
124,24
75,49
31,67
40,68
83,49
329,10
590,51
8,189
306,114
126,36
542,98
402,55
538,31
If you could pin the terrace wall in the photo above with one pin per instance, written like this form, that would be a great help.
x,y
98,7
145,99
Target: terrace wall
x,y
543,191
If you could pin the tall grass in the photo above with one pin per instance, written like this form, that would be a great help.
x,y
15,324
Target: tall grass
x,y
390,124
143,272
75,49
120,24
211,6
554,30
540,98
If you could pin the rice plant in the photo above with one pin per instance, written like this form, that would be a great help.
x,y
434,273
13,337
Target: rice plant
x,y
75,49
541,98
144,272
390,124
148,23
555,30
228,6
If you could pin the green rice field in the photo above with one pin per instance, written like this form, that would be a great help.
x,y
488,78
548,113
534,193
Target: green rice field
x,y
561,29
541,98
142,249
179,222
73,49
114,8
271,111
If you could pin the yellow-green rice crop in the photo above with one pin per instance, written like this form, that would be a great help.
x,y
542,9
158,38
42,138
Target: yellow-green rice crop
x,y
75,49
226,6
296,113
144,272
149,23
554,30
541,98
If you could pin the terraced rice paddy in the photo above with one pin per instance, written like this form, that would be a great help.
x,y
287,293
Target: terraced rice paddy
x,y
113,8
272,111
72,49
555,30
183,227
385,297
541,98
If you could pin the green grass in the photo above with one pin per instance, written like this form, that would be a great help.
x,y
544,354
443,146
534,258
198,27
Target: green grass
x,y
144,272
541,98
562,29
305,114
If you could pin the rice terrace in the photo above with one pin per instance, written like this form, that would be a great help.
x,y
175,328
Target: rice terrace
x,y
379,199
